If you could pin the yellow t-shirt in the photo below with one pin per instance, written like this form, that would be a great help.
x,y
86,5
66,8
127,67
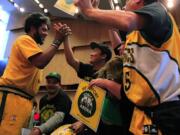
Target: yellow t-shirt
x,y
19,72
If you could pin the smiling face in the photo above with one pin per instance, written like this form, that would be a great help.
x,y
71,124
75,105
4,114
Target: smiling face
x,y
41,33
96,56
52,85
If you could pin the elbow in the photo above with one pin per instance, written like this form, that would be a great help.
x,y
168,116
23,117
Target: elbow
x,y
69,62
40,66
127,26
72,62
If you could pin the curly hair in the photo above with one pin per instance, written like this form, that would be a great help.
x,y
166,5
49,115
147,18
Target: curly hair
x,y
36,20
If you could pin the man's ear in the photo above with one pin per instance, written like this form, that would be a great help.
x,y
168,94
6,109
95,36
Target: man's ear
x,y
104,56
32,29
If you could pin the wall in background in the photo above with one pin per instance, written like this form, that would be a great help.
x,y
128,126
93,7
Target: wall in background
x,y
84,32
4,17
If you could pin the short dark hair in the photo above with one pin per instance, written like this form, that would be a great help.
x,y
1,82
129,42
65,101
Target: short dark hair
x,y
146,2
36,20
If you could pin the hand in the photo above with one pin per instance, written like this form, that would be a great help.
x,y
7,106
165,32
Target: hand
x,y
35,131
77,127
98,82
62,31
84,5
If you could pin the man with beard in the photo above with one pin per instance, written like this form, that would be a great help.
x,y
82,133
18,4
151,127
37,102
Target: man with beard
x,y
21,77
54,106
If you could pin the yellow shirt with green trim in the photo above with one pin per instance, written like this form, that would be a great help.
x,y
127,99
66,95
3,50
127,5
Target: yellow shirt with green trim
x,y
20,73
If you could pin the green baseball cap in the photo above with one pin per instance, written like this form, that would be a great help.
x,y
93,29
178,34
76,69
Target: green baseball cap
x,y
54,75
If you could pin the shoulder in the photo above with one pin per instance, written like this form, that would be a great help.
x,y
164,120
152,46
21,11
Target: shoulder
x,y
85,67
85,70
43,101
43,98
155,14
153,9
158,27
25,38
63,95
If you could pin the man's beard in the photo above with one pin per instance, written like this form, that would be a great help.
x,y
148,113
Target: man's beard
x,y
38,38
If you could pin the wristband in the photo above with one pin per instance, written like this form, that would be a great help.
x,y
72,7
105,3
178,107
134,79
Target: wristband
x,y
57,42
56,46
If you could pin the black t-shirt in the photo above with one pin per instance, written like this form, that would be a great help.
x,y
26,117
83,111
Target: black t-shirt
x,y
86,72
60,103
159,26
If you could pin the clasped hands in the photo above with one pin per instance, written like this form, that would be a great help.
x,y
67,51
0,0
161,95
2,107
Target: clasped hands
x,y
62,31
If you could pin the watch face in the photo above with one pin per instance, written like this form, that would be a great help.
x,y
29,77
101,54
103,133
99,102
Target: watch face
x,y
57,42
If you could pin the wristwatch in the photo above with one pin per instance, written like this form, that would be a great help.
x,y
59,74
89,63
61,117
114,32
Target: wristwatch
x,y
57,42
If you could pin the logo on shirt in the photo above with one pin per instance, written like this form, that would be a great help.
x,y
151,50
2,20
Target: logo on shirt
x,y
47,112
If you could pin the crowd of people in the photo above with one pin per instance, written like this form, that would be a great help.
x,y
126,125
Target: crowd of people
x,y
142,81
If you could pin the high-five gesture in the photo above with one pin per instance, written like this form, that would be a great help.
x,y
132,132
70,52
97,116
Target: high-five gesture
x,y
62,30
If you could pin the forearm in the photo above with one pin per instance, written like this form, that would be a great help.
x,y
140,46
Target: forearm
x,y
114,38
123,20
52,123
114,88
72,61
42,59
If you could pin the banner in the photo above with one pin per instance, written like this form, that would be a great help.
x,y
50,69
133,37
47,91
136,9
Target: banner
x,y
87,105
67,6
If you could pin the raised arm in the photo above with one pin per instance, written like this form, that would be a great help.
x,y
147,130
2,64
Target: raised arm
x,y
40,60
72,61
114,38
123,20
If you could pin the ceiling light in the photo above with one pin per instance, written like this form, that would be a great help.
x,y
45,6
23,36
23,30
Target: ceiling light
x,y
16,5
37,1
117,7
41,5
170,4
21,9
114,4
77,10
45,11
116,1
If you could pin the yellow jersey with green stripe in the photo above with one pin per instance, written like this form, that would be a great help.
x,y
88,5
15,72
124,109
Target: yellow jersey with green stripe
x,y
151,73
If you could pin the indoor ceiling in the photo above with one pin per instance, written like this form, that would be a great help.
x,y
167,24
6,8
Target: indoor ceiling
x,y
31,6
